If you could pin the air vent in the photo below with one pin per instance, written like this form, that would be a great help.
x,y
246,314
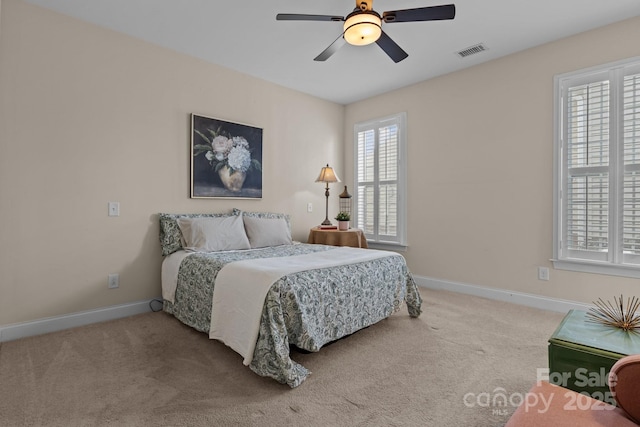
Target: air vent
x,y
480,47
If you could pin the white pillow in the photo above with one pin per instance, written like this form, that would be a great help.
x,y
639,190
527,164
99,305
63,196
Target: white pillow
x,y
213,234
264,232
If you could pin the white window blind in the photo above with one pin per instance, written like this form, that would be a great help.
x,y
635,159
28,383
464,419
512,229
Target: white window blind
x,y
587,152
380,171
631,153
597,177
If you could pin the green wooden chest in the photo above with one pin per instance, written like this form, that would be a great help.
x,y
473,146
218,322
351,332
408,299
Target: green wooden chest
x,y
581,354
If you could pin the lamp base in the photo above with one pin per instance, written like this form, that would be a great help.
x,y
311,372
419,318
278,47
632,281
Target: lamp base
x,y
326,222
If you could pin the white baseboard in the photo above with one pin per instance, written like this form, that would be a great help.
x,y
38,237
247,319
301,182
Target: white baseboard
x,y
58,323
529,300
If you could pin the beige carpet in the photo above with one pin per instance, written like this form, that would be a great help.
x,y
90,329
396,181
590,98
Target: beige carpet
x,y
442,369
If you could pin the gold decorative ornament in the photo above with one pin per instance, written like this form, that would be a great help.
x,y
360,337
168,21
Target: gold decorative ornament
x,y
616,314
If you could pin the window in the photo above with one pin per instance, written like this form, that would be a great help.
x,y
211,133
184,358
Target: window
x,y
380,175
597,170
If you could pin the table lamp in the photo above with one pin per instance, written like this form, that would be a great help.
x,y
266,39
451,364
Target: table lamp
x,y
327,175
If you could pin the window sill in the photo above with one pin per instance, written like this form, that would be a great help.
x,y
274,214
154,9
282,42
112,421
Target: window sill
x,y
597,268
387,246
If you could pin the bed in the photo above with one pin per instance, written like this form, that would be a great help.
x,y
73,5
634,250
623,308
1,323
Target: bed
x,y
308,295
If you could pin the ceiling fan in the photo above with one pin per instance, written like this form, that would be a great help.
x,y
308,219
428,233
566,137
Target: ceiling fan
x,y
363,26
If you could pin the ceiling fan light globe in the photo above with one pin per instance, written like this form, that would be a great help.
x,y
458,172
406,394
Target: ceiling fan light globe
x,y
362,28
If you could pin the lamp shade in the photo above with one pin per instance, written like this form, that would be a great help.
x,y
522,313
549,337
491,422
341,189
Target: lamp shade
x,y
362,28
327,175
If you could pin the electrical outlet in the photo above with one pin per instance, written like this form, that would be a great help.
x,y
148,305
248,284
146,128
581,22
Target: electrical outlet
x,y
309,207
113,281
543,273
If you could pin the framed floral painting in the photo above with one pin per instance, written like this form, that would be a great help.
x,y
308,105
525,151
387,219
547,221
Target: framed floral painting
x,y
226,159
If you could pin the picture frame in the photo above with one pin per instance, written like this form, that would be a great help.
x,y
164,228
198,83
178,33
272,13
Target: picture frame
x,y
226,159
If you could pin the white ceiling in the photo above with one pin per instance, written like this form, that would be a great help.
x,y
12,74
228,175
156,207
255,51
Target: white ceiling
x,y
245,36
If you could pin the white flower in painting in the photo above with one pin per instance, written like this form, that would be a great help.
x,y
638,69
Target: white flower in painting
x,y
223,150
221,146
240,141
239,158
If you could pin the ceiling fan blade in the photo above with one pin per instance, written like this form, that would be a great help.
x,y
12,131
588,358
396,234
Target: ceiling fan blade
x,y
333,47
301,17
391,48
429,13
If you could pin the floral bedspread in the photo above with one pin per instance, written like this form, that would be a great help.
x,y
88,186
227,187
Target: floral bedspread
x,y
306,309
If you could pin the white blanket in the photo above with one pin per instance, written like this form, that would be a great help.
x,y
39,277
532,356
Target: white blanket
x,y
241,287
169,274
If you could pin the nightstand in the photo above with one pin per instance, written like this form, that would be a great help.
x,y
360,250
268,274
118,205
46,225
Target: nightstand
x,y
353,237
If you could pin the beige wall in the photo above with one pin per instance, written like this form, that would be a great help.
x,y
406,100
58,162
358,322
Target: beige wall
x,y
89,116
480,167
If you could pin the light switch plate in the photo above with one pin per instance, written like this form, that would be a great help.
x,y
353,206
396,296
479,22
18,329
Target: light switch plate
x,y
114,209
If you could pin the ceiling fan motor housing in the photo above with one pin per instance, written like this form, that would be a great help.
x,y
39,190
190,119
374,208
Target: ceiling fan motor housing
x,y
365,5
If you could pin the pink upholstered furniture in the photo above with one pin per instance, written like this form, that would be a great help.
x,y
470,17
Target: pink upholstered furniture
x,y
551,405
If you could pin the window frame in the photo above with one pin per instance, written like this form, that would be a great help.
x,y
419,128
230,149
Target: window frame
x,y
374,240
614,262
